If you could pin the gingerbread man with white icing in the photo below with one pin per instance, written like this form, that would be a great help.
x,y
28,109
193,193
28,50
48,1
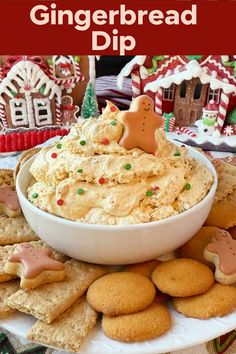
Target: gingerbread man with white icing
x,y
140,123
222,252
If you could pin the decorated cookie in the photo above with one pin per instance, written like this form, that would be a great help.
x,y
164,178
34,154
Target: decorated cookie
x,y
140,123
182,277
34,266
121,293
9,203
222,252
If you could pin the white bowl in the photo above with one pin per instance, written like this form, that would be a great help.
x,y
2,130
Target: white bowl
x,y
119,244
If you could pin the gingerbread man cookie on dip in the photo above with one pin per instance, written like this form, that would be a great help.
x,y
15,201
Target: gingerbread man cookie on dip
x,y
222,252
140,123
9,203
34,266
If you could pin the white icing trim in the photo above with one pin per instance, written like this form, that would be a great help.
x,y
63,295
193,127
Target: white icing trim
x,y
18,105
26,72
127,69
41,120
192,70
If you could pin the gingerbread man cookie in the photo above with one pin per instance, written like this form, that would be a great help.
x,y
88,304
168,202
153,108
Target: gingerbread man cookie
x,y
222,252
34,266
140,123
68,110
9,203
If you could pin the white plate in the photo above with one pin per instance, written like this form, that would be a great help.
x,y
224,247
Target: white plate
x,y
185,332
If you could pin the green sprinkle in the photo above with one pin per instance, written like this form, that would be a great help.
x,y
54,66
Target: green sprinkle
x,y
113,122
35,195
82,142
149,193
80,191
80,170
59,145
177,153
61,138
127,166
187,186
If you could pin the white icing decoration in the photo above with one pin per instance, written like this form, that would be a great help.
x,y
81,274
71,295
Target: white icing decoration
x,y
192,70
28,73
127,69
18,105
42,104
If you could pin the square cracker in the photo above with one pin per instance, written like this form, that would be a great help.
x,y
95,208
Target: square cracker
x,y
6,290
200,180
6,177
48,301
15,230
68,330
226,182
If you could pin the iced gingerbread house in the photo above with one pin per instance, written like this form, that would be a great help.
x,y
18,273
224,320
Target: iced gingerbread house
x,y
39,98
181,87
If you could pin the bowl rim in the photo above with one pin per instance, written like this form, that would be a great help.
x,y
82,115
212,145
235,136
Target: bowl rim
x,y
123,227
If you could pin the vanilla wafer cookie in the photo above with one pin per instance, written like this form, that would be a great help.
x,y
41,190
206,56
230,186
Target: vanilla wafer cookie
x,y
48,301
68,330
7,289
15,230
25,156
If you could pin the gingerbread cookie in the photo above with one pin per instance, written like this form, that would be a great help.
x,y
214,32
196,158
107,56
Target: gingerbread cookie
x,y
144,325
121,293
218,301
222,252
232,232
9,203
182,277
34,266
140,123
194,248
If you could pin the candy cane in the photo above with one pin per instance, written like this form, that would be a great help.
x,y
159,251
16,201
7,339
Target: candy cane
x,y
1,73
183,130
3,115
158,101
136,84
224,102
58,112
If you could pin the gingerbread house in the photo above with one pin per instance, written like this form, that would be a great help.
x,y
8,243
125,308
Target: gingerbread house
x,y
39,97
185,84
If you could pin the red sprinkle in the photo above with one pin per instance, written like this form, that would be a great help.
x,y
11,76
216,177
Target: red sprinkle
x,y
155,188
105,141
60,202
101,180
54,155
113,108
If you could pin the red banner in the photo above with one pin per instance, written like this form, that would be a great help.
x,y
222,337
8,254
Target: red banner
x,y
117,27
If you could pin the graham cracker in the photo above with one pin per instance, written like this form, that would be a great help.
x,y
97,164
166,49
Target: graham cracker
x,y
6,177
68,330
6,290
226,181
48,301
15,230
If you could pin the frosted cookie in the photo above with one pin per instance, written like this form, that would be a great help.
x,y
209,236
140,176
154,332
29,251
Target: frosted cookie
x,y
182,277
34,266
9,203
194,248
121,293
222,213
7,289
222,252
67,331
144,325
15,230
49,301
140,123
218,301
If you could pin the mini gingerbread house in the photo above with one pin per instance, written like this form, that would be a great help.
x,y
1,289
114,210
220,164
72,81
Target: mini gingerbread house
x,y
39,98
183,85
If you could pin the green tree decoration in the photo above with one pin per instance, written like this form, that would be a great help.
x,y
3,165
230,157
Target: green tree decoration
x,y
155,60
231,119
194,57
90,105
231,64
